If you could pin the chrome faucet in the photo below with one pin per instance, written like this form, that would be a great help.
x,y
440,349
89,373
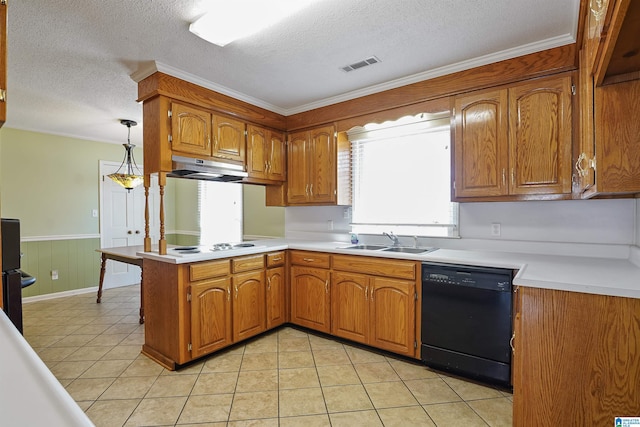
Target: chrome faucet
x,y
393,238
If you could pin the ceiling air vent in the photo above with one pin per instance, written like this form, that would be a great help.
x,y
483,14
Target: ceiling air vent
x,y
364,63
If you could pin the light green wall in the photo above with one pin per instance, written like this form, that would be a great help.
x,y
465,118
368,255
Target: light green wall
x,y
259,219
51,182
185,199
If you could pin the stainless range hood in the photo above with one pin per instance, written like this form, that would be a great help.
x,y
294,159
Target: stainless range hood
x,y
206,170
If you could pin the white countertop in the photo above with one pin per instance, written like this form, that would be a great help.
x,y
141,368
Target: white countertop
x,y
29,393
605,276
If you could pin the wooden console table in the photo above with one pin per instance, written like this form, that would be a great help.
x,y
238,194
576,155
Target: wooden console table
x,y
127,255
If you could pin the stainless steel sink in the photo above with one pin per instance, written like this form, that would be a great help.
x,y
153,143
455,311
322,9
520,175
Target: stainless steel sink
x,y
408,250
367,247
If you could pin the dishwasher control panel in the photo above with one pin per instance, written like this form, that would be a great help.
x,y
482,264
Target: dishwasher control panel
x,y
498,279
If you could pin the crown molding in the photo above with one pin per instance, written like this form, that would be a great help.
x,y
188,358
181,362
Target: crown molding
x,y
151,67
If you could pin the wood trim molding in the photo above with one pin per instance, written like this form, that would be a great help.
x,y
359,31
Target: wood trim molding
x,y
525,67
163,84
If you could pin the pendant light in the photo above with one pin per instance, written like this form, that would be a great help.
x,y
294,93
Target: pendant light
x,y
126,174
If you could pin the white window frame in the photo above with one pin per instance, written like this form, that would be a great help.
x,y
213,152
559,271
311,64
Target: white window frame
x,y
445,222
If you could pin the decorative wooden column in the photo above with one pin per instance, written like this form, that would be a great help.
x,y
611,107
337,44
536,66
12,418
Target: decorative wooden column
x,y
147,237
162,244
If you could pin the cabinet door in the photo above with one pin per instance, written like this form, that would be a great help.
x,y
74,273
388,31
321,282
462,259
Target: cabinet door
x,y
617,127
540,137
576,357
275,297
310,298
277,157
480,143
350,306
248,305
393,308
190,131
257,152
210,316
322,172
228,139
297,169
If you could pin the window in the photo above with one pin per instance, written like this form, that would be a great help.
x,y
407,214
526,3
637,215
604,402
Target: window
x,y
220,207
402,178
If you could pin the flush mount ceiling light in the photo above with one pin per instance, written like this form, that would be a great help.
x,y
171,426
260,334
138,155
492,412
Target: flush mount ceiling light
x,y
232,20
125,175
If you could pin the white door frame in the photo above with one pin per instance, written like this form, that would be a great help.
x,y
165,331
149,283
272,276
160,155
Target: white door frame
x,y
119,274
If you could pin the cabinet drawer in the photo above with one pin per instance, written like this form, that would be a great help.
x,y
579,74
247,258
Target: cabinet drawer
x,y
315,259
206,270
275,259
376,266
247,263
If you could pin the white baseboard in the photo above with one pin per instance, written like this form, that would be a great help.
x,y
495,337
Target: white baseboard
x,y
92,289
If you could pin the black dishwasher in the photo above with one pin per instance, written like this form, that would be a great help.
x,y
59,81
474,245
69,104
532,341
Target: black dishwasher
x,y
467,320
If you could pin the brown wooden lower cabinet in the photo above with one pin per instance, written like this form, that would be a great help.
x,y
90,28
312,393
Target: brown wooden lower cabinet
x,y
198,308
576,358
249,305
373,301
276,288
311,298
210,316
373,310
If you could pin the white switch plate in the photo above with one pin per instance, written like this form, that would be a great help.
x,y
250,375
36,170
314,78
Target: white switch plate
x,y
495,229
54,274
94,213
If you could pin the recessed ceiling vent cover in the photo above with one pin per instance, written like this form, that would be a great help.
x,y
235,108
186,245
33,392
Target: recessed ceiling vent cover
x,y
360,64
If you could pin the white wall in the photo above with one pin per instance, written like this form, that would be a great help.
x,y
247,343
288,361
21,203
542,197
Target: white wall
x,y
571,227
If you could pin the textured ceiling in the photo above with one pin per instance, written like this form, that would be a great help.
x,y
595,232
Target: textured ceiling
x,y
70,62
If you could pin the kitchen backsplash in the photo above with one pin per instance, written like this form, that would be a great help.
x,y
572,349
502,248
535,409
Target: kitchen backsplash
x,y
572,227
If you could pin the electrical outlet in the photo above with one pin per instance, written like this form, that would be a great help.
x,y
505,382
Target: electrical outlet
x,y
495,229
54,274
330,225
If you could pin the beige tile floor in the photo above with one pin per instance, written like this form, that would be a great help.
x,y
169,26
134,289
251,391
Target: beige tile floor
x,y
284,378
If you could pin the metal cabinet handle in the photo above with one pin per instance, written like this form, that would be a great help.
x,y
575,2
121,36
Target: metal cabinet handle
x,y
366,293
504,178
326,286
311,189
268,283
137,231
308,259
513,350
228,294
277,259
513,177
236,291
129,232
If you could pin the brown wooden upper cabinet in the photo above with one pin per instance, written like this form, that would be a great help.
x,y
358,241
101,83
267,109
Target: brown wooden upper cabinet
x,y
266,154
228,139
190,130
609,156
312,171
514,142
197,132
